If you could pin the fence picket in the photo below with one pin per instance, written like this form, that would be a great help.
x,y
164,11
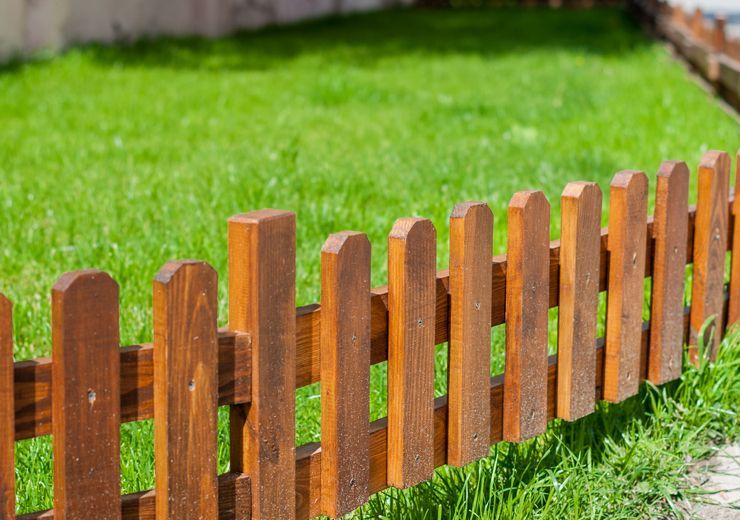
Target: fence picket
x,y
733,314
710,247
7,412
411,309
86,398
185,391
670,229
345,372
627,247
580,249
527,292
262,252
469,372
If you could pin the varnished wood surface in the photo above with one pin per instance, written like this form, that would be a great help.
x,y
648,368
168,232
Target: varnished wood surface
x,y
7,415
733,312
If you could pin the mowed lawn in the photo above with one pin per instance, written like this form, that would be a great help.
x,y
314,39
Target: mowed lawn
x,y
124,158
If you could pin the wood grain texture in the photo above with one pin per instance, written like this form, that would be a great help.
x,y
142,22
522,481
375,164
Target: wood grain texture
x,y
7,415
627,238
710,246
234,497
33,383
33,377
86,405
412,247
580,244
308,457
262,252
185,390
527,287
345,372
471,243
733,313
669,272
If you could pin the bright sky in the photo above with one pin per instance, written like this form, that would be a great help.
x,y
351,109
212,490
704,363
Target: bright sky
x,y
725,5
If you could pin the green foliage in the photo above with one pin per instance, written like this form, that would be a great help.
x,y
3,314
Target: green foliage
x,y
123,158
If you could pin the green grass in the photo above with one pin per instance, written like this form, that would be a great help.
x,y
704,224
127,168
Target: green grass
x,y
125,158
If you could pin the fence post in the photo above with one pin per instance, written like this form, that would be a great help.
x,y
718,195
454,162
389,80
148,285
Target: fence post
x,y
411,323
710,250
345,373
720,34
578,305
626,289
670,230
262,252
733,315
469,371
7,412
527,302
86,397
185,391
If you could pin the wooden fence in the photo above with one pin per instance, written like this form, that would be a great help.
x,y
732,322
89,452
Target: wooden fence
x,y
89,386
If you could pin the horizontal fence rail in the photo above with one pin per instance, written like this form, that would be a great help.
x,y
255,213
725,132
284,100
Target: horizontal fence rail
x,y
89,386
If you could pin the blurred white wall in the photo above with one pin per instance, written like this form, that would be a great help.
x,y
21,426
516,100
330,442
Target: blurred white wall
x,y
27,26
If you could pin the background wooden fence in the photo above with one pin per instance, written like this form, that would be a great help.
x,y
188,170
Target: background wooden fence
x,y
90,385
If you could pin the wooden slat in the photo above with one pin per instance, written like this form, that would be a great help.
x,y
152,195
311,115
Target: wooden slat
x,y
710,246
733,313
411,268
579,298
234,498
627,237
669,272
527,283
262,247
7,417
33,377
185,390
86,404
345,372
309,456
33,384
471,242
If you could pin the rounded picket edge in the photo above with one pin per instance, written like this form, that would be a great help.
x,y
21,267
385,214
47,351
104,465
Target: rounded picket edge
x,y
410,228
629,180
464,209
527,199
578,189
73,279
173,267
714,159
260,215
338,243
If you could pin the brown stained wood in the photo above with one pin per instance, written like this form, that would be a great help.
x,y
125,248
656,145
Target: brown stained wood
x,y
627,238
33,377
33,384
7,417
86,404
580,245
233,502
308,457
185,390
411,296
669,272
710,246
262,253
471,242
733,313
345,372
527,287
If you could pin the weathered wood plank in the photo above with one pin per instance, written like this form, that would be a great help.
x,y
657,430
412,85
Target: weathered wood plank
x,y
262,264
471,242
185,307
86,380
527,283
7,415
411,295
345,372
710,247
733,313
627,238
669,272
579,298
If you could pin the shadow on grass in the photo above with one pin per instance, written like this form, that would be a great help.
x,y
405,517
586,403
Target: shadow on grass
x,y
365,39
